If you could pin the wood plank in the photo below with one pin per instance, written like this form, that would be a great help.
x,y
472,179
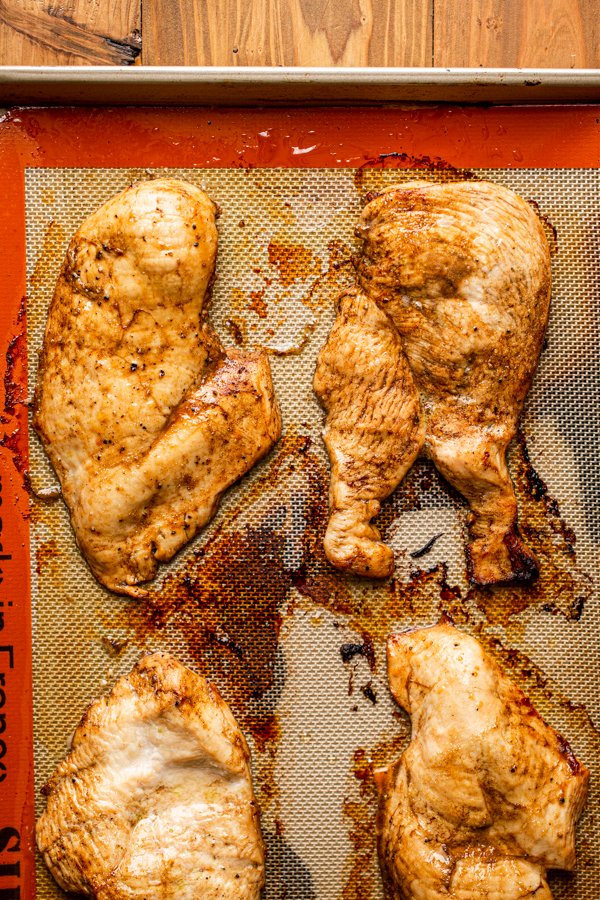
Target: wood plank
x,y
529,33
93,32
287,32
557,33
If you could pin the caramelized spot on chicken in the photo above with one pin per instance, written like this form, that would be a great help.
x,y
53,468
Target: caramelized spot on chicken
x,y
145,418
155,798
486,797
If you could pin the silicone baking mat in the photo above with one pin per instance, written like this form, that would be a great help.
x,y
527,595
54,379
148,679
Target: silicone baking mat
x,y
296,648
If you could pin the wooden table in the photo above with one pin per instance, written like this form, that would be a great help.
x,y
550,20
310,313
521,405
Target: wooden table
x,y
532,33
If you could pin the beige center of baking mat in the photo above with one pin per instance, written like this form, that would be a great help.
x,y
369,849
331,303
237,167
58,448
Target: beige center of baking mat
x,y
296,648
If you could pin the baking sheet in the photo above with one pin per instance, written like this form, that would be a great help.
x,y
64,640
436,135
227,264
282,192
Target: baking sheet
x,y
253,603
252,85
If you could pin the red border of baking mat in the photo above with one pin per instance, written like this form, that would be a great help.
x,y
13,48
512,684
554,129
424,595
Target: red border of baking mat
x,y
458,137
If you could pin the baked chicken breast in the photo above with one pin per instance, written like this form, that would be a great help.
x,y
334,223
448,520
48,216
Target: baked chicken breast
x,y
145,417
374,429
155,799
462,271
486,797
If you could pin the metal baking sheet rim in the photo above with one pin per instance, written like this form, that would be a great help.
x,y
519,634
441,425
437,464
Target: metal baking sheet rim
x,y
248,86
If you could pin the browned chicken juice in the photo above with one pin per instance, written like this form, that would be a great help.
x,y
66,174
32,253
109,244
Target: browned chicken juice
x,y
252,603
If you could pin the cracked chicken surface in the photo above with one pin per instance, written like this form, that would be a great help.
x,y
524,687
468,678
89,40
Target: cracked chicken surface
x,y
461,271
486,797
145,417
155,798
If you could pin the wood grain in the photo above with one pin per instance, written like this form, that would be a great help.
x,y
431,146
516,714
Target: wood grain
x,y
528,33
93,32
535,33
287,32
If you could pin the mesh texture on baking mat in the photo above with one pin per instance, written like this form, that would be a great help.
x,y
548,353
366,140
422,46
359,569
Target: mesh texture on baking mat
x,y
253,604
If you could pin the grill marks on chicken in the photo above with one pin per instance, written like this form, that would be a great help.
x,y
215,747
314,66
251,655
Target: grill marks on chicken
x,y
155,797
145,417
463,273
487,796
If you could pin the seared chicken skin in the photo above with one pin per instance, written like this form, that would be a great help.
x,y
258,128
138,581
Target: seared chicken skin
x,y
486,797
145,418
463,273
155,799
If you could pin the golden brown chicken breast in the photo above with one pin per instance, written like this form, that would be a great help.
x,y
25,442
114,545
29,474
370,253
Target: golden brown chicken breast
x,y
462,272
155,799
146,419
374,429
486,797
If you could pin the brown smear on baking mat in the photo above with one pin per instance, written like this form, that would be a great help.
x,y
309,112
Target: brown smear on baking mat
x,y
297,648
